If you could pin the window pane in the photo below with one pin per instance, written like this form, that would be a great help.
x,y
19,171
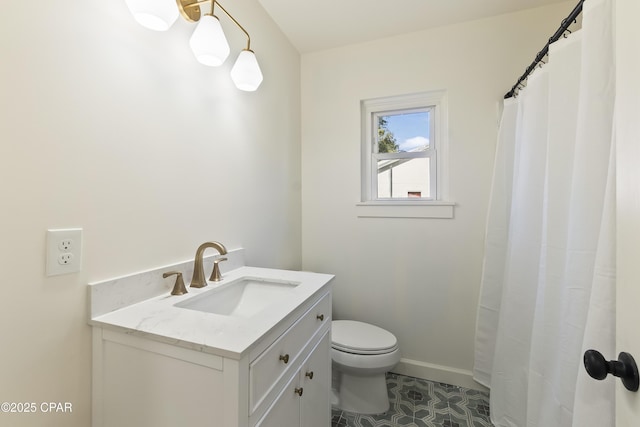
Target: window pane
x,y
402,178
403,132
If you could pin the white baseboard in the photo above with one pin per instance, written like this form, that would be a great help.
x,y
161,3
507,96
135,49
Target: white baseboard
x,y
438,373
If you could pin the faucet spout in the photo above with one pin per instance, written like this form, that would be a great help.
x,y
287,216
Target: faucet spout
x,y
198,280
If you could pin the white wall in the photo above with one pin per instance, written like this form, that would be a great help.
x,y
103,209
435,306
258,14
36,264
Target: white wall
x,y
117,129
418,278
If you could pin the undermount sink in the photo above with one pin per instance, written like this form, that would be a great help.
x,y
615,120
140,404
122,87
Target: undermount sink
x,y
243,297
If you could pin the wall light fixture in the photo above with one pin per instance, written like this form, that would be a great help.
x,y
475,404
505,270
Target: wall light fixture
x,y
208,42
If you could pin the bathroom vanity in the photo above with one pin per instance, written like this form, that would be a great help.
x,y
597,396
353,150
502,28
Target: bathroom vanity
x,y
251,350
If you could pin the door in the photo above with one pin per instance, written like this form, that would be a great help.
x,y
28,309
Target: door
x,y
285,412
627,35
315,378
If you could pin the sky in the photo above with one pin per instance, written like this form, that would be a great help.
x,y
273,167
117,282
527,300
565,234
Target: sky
x,y
411,130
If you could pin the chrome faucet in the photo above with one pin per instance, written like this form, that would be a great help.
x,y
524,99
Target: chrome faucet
x,y
198,280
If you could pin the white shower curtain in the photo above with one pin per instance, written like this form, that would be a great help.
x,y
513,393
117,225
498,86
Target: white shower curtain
x,y
548,286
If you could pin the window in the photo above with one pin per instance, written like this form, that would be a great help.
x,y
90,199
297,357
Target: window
x,y
404,151
403,154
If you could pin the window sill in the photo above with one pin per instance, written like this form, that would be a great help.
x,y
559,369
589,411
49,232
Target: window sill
x,y
400,209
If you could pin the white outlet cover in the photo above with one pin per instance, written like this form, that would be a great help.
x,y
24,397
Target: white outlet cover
x,y
67,242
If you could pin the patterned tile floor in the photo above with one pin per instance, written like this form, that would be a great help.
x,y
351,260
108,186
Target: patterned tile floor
x,y
420,403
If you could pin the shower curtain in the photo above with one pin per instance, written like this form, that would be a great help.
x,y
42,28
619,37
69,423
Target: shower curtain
x,y
548,285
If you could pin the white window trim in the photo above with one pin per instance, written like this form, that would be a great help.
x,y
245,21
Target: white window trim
x,y
441,207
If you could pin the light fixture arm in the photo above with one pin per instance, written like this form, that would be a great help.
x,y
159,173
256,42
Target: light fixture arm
x,y
214,2
190,10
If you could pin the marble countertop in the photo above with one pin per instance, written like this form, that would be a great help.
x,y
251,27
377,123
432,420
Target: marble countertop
x,y
159,319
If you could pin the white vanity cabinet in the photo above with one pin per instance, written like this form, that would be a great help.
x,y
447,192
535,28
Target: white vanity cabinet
x,y
283,380
305,398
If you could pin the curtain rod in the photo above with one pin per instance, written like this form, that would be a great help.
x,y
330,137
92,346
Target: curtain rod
x,y
540,56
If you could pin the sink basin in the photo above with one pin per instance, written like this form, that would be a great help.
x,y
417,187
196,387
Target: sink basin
x,y
243,297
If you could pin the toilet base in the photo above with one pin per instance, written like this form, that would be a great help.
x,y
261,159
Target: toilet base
x,y
363,394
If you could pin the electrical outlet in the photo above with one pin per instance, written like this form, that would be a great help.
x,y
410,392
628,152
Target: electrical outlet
x,y
65,258
64,251
65,244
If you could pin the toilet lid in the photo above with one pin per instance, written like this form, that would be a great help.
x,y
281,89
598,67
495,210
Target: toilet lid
x,y
361,338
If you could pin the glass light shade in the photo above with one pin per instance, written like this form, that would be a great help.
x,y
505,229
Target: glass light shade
x,y
246,74
158,15
208,42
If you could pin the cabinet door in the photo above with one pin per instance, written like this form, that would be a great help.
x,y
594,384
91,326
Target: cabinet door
x,y
315,380
285,411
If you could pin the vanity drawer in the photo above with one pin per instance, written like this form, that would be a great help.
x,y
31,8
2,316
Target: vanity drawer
x,y
282,355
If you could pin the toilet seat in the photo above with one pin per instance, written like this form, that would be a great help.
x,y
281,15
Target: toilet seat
x,y
355,337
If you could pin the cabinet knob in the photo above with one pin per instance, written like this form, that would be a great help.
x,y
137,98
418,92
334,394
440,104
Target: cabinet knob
x,y
285,358
298,391
309,375
320,317
625,368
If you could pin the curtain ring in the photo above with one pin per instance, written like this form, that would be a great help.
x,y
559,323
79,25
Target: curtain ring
x,y
519,89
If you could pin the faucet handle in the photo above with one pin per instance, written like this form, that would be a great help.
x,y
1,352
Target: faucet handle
x,y
216,276
178,287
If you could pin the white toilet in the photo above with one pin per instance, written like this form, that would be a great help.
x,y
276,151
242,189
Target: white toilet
x,y
361,354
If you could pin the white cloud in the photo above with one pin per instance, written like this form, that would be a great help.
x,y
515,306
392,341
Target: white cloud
x,y
410,144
